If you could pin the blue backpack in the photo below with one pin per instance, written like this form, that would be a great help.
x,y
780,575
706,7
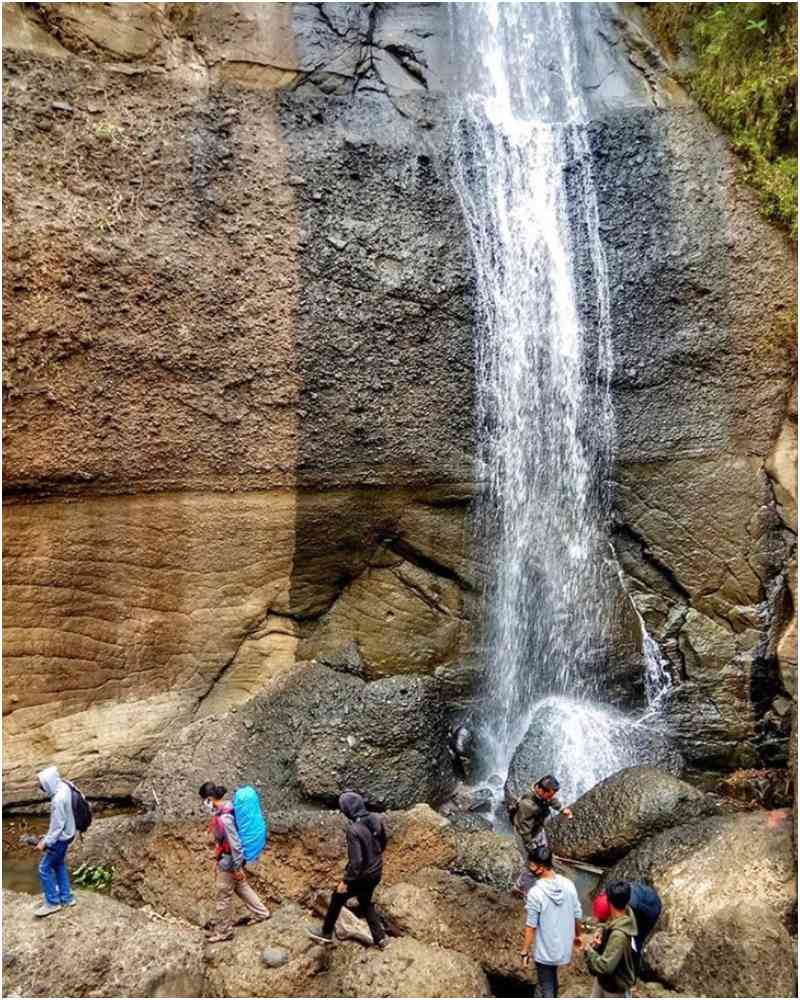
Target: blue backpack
x,y
250,822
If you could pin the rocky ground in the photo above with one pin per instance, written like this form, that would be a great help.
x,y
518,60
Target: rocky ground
x,y
727,880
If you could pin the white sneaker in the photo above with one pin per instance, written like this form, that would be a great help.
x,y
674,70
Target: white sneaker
x,y
46,909
72,902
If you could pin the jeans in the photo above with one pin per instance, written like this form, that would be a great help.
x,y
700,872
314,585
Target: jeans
x,y
546,980
362,890
53,873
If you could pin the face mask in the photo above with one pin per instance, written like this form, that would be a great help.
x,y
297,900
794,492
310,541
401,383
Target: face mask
x,y
208,805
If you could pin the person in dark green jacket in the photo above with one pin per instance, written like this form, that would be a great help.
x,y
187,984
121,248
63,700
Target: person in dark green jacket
x,y
611,959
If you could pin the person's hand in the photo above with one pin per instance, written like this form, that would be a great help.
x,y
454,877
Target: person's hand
x,y
41,846
597,939
341,887
238,875
567,812
525,956
578,942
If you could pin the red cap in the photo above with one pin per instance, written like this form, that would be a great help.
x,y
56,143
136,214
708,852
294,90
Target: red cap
x,y
601,908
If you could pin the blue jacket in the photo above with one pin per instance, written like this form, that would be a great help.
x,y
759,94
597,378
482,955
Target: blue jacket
x,y
646,905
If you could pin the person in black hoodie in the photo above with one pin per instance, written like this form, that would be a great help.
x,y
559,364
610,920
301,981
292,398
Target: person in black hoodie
x,y
366,841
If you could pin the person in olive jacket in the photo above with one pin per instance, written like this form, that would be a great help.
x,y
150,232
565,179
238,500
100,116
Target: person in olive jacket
x,y
366,842
528,816
612,959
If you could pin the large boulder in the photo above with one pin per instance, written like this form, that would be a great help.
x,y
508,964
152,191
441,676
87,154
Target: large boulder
x,y
316,732
99,948
390,743
407,968
582,744
454,912
625,809
727,885
487,857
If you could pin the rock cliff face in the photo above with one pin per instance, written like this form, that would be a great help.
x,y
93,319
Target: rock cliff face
x,y
239,374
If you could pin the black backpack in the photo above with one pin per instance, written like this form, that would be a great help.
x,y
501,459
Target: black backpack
x,y
81,810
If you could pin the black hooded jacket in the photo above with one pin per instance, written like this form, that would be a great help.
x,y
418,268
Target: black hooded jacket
x,y
366,839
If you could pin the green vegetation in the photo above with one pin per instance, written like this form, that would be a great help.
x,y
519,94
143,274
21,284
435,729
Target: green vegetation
x,y
108,132
97,877
744,76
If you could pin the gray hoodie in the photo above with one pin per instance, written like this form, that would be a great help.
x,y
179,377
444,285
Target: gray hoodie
x,y
553,907
62,822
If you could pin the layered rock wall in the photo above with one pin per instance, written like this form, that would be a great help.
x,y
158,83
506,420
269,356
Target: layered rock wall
x,y
239,376
238,373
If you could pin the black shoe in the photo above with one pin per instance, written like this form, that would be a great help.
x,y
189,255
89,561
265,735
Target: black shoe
x,y
316,934
383,944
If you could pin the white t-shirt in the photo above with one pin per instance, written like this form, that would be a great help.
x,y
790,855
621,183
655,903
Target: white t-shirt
x,y
553,907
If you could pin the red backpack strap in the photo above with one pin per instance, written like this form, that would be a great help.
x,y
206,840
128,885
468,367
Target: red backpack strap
x,y
218,830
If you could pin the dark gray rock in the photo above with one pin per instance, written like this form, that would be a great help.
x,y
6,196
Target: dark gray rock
x,y
319,733
390,743
624,810
469,822
699,533
347,660
486,857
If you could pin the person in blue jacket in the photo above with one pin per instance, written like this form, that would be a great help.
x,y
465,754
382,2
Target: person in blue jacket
x,y
646,905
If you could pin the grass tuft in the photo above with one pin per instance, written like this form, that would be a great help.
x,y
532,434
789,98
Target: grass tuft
x,y
744,76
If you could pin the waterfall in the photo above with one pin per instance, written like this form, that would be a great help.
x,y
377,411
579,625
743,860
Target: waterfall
x,y
523,173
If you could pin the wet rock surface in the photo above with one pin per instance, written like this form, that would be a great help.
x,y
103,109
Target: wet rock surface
x,y
622,811
704,538
606,739
728,889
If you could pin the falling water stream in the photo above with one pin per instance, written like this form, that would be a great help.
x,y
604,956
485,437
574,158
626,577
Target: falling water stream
x,y
524,177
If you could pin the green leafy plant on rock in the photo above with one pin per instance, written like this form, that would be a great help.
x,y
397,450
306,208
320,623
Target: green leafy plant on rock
x,y
108,132
96,877
744,75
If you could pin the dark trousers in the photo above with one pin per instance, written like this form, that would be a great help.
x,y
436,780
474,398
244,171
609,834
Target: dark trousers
x,y
362,890
546,980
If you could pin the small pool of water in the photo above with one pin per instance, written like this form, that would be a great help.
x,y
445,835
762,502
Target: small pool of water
x,y
20,875
586,882
20,861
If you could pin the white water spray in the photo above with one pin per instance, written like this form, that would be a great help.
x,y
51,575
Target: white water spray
x,y
524,177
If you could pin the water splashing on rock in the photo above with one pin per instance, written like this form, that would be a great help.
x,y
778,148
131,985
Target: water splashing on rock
x,y
524,177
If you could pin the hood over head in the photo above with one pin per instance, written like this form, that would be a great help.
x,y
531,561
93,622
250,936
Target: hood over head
x,y
353,806
49,779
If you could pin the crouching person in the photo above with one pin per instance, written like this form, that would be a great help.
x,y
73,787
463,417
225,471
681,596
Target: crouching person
x,y
53,872
231,877
612,959
366,842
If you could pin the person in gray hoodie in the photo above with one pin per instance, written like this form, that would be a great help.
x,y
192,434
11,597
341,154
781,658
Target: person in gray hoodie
x,y
553,924
53,872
